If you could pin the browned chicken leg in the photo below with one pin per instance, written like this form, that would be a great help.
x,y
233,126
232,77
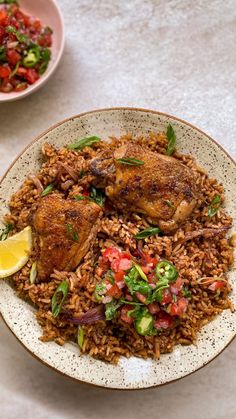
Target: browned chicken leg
x,y
66,230
162,188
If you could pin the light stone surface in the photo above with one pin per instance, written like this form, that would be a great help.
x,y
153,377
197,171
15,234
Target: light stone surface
x,y
174,56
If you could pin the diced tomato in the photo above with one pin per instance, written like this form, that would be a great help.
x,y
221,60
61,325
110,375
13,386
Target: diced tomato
x,y
111,253
124,314
85,193
141,297
114,291
183,304
4,19
179,307
5,71
119,276
216,286
174,309
153,308
164,321
13,57
45,40
176,286
166,296
31,76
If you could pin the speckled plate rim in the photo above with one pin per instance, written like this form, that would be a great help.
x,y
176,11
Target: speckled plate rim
x,y
137,360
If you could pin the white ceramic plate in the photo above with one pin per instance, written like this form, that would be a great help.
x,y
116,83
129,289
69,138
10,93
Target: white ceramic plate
x,y
133,373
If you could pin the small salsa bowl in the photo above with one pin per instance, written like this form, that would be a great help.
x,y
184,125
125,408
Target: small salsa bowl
x,y
50,15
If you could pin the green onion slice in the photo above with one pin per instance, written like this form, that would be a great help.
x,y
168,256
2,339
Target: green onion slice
x,y
80,336
130,161
84,142
147,233
214,205
47,190
33,273
171,137
60,294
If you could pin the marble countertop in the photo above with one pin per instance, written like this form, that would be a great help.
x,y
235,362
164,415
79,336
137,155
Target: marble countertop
x,y
176,56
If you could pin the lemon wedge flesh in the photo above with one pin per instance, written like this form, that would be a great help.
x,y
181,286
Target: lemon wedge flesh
x,y
14,252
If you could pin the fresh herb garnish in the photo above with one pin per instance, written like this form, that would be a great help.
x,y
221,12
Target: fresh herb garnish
x,y
3,56
33,273
186,293
130,161
84,142
8,2
169,203
171,137
147,233
20,37
47,190
80,197
5,231
73,233
60,294
214,206
97,196
80,336
136,285
111,309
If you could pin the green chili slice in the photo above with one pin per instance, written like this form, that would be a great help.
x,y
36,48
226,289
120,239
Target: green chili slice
x,y
144,322
32,57
60,294
165,270
130,161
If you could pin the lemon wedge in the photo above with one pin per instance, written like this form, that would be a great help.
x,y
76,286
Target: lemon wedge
x,y
14,252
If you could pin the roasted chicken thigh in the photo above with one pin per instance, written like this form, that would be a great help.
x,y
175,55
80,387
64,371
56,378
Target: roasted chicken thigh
x,y
161,187
66,229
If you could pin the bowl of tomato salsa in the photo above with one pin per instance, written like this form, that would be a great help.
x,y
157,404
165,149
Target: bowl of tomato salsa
x,y
31,45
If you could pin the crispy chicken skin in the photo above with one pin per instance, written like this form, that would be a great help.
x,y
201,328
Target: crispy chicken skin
x,y
162,188
66,229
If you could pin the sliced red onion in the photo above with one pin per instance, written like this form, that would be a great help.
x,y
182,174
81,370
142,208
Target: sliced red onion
x,y
37,183
70,170
107,299
206,232
120,284
12,44
92,315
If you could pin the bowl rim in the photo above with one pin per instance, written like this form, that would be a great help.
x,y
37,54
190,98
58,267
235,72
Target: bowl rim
x,y
45,77
52,127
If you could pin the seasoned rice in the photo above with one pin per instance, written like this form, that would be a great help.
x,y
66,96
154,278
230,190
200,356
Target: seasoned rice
x,y
193,259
